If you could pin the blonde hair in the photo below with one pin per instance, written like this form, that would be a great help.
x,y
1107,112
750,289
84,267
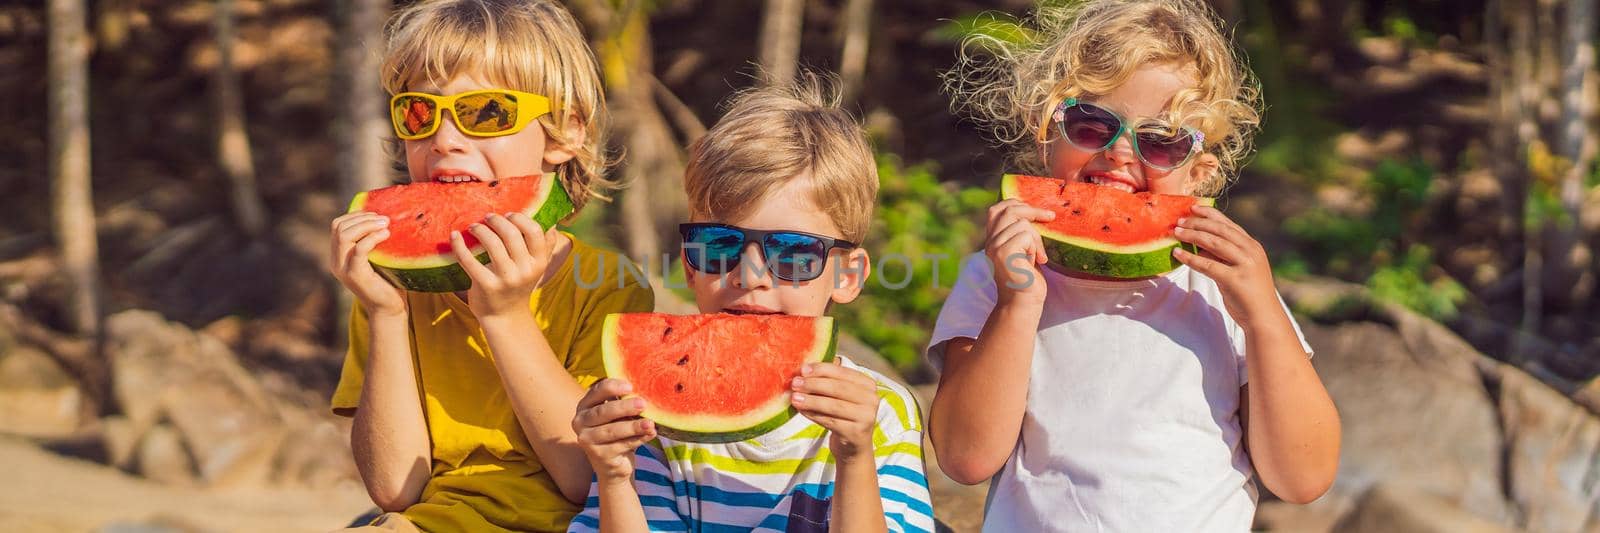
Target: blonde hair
x,y
1090,48
526,45
771,135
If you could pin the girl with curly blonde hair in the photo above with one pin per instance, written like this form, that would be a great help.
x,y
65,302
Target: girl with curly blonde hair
x,y
1100,404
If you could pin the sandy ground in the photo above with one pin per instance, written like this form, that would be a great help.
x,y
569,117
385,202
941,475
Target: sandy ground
x,y
43,492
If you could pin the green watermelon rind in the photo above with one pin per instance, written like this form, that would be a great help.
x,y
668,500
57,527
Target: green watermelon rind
x,y
710,429
441,272
1077,254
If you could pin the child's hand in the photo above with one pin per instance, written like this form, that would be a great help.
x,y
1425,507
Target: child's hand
x,y
354,236
519,251
1231,257
609,429
843,401
1015,250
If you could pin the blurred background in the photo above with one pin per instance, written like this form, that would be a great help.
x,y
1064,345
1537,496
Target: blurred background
x,y
169,337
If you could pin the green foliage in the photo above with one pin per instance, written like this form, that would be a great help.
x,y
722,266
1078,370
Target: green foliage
x,y
990,27
1406,283
920,218
1357,246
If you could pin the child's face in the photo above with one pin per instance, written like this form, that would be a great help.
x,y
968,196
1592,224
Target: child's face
x,y
751,288
450,155
1146,94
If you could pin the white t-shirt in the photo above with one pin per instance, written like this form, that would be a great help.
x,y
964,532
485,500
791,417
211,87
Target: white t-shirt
x,y
1132,420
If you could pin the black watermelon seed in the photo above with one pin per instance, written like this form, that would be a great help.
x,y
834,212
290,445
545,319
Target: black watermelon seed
x,y
419,216
1105,228
677,388
683,361
494,184
1077,212
665,333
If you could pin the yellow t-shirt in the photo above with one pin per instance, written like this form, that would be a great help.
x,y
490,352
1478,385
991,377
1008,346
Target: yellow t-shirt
x,y
485,475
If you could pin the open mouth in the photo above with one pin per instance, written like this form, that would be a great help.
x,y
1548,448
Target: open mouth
x,y
445,175
750,310
1114,181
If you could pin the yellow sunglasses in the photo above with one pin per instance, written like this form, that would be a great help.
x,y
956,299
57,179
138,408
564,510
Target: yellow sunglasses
x,y
486,113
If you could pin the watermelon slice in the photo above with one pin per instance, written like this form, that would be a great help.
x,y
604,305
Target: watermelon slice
x,y
417,255
718,377
1104,231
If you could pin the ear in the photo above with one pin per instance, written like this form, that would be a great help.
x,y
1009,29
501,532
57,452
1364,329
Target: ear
x,y
1203,171
576,132
850,271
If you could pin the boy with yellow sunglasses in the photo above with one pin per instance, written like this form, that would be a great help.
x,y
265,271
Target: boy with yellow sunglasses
x,y
463,402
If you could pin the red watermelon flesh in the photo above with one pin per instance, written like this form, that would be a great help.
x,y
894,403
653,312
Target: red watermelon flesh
x,y
1105,231
714,377
417,255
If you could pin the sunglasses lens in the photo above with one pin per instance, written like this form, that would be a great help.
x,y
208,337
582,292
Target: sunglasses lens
x,y
485,113
413,115
1089,127
794,256
712,249
1165,148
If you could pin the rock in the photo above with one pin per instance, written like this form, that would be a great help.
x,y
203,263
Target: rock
x,y
1553,454
1411,409
162,457
234,432
1392,507
121,441
37,397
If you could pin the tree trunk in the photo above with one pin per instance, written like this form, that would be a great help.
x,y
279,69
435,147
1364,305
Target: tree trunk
x,y
1525,83
853,56
233,141
361,126
71,196
780,41
652,162
1569,265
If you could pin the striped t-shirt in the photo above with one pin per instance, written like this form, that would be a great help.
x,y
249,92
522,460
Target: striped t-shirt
x,y
781,481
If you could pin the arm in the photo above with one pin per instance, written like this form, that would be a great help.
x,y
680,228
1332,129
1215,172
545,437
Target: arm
x,y
983,391
542,394
845,402
613,438
389,438
1291,425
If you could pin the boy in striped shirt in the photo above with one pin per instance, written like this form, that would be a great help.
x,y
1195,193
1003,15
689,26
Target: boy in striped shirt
x,y
786,175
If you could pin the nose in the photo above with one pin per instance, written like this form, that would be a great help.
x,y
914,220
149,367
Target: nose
x,y
752,272
448,139
1121,152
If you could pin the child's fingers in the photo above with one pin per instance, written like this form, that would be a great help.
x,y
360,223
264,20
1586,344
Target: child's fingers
x,y
491,244
609,412
833,407
1042,255
1227,231
615,432
1210,267
533,237
358,253
353,231
830,423
469,262
997,209
836,388
511,238
838,371
603,391
1213,213
1009,233
1220,248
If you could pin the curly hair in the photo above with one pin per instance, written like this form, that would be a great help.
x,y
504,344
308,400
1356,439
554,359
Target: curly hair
x,y
526,45
1090,48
